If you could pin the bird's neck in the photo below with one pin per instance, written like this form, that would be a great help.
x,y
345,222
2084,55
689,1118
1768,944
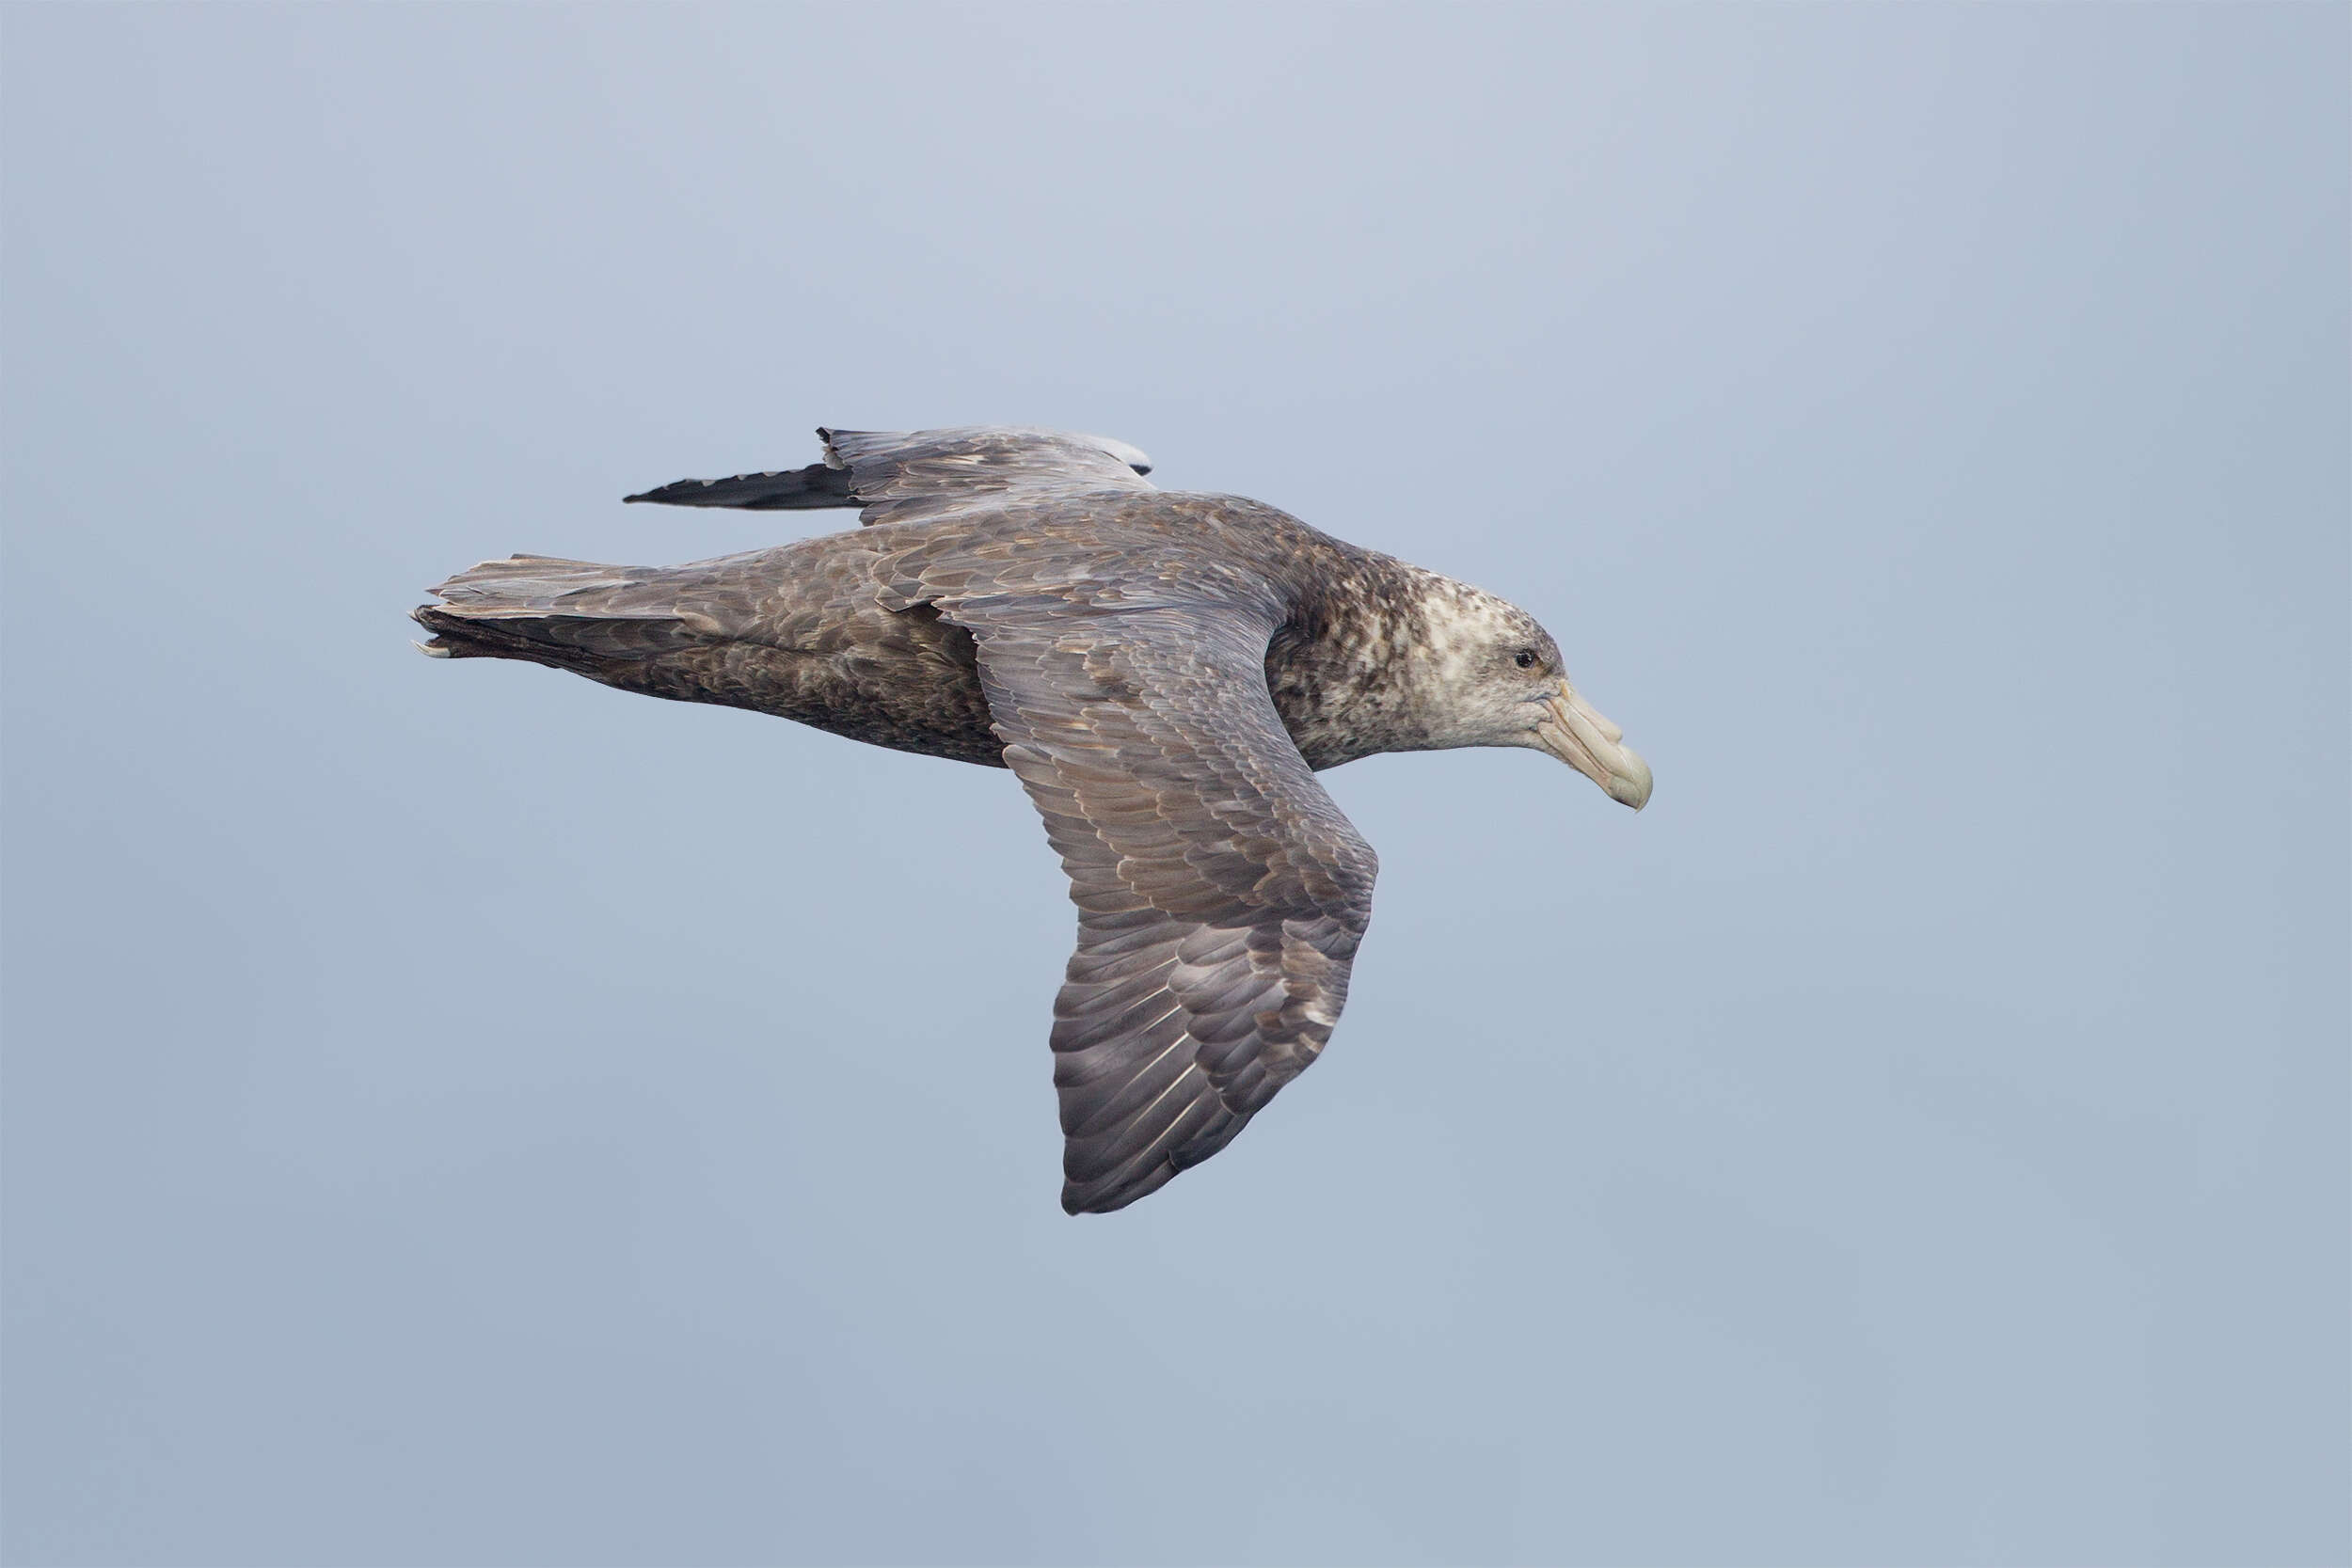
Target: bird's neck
x,y
1350,673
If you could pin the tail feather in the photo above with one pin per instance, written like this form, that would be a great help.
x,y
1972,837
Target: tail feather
x,y
574,614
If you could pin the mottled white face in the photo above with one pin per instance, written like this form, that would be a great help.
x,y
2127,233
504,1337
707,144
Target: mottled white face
x,y
1491,676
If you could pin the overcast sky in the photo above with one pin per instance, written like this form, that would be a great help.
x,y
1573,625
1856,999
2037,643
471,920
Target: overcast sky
x,y
458,1115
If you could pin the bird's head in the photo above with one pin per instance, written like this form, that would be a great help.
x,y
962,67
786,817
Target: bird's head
x,y
1499,681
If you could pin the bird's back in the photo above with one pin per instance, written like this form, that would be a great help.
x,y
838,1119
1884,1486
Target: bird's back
x,y
842,632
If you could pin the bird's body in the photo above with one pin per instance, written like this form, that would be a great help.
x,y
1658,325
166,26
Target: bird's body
x,y
824,630
1164,670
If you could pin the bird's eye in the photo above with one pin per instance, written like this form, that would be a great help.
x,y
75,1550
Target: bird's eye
x,y
1524,658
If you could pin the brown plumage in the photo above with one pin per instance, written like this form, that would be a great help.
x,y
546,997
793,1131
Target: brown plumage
x,y
1164,672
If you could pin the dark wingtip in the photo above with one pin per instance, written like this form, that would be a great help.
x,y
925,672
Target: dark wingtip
x,y
1104,1197
765,490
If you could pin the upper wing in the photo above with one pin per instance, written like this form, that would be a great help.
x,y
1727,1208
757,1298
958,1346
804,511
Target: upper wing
x,y
1221,893
897,476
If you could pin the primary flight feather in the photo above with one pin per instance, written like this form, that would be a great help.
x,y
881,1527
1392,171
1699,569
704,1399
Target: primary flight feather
x,y
1164,670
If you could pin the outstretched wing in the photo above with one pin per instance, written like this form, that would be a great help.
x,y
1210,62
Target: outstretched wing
x,y
899,476
1221,893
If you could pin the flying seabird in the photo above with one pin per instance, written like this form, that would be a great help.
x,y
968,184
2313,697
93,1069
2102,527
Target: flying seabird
x,y
1164,670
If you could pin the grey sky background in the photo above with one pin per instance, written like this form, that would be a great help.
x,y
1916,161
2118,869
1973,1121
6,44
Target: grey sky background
x,y
460,1114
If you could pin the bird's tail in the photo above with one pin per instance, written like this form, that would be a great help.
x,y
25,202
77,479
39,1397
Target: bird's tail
x,y
577,615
